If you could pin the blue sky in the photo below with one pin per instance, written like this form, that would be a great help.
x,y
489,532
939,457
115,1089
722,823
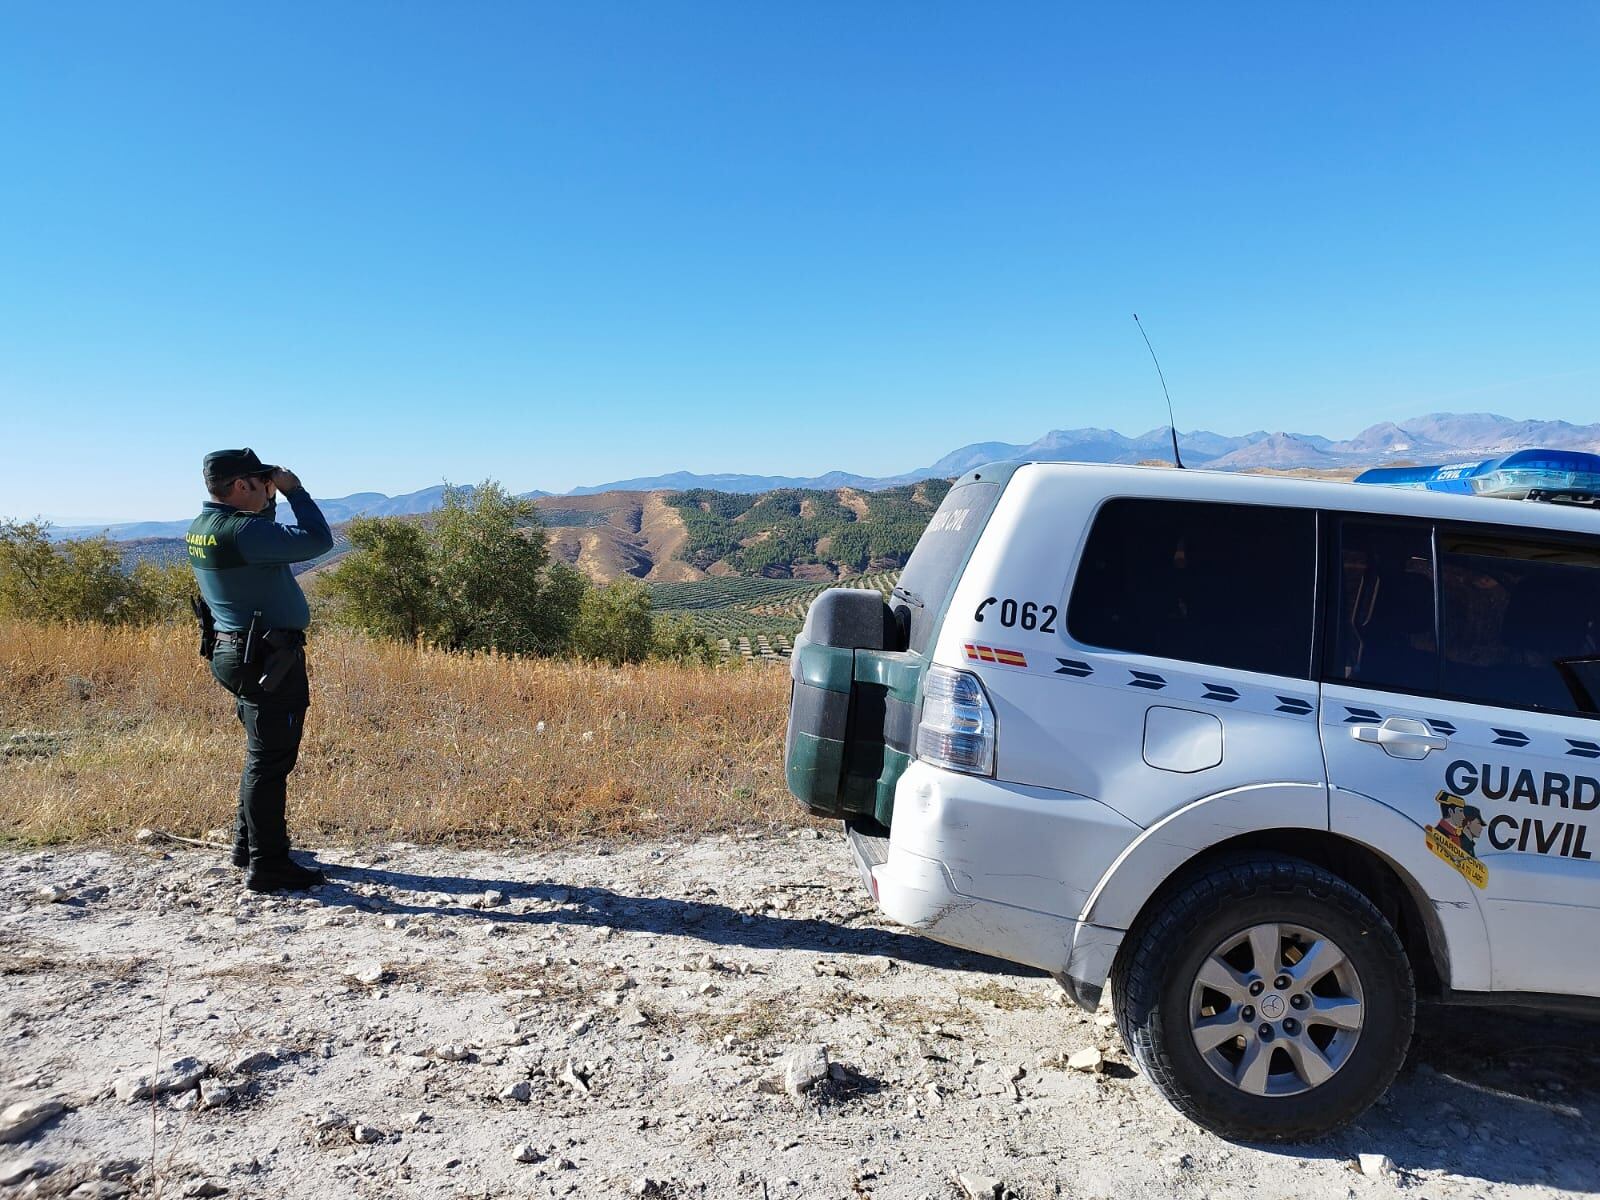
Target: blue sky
x,y
394,243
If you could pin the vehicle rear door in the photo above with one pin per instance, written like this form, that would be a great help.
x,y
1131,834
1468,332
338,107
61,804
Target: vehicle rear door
x,y
1459,689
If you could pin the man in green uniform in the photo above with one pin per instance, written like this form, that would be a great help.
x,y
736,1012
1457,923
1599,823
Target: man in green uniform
x,y
241,556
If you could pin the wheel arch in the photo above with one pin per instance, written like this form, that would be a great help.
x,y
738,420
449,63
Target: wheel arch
x,y
1387,885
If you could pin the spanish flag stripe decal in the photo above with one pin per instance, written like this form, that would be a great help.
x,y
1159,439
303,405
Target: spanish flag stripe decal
x,y
994,654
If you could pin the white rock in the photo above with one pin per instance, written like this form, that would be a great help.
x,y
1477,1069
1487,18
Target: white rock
x,y
180,1075
630,1017
145,835
493,899
449,1052
23,1117
1376,1166
368,971
213,1094
366,1135
1090,1060
521,1091
52,893
804,1067
19,1169
204,1187
417,1120
575,1079
527,1152
979,1187
187,1101
330,1119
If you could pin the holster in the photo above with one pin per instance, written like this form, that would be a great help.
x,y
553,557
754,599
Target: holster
x,y
208,627
281,650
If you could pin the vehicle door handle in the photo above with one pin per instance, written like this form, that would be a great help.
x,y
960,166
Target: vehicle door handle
x,y
1400,737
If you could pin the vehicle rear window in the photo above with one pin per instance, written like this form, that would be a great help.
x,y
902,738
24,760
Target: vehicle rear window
x,y
930,573
1521,623
1229,585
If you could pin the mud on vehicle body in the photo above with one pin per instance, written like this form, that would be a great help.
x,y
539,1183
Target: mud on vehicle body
x,y
1273,757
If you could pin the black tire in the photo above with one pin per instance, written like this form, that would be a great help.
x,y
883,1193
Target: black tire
x,y
1154,985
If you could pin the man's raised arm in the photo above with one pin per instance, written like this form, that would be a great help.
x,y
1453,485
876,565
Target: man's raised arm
x,y
266,541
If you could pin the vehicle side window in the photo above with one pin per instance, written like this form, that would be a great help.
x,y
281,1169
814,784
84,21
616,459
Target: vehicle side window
x,y
1381,631
1521,622
1230,585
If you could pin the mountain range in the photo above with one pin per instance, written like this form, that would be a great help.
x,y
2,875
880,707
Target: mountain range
x,y
1435,437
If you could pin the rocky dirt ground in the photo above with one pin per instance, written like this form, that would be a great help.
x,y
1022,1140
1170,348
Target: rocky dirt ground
x,y
633,1020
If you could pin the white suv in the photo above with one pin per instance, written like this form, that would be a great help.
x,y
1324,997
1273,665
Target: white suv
x,y
1273,756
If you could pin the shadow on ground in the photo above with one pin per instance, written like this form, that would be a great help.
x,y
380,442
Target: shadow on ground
x,y
1498,1094
707,920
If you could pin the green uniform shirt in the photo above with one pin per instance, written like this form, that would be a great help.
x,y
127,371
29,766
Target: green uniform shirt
x,y
241,561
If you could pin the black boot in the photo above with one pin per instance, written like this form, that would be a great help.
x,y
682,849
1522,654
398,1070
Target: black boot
x,y
272,875
241,854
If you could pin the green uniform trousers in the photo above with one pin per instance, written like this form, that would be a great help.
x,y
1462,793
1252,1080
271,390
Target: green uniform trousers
x,y
272,724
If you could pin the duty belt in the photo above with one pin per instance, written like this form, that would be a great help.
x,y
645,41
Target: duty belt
x,y
280,635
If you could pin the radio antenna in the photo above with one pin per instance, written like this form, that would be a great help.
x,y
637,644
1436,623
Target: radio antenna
x,y
1172,423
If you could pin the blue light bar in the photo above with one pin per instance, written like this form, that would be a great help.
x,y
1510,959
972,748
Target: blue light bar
x,y
1572,475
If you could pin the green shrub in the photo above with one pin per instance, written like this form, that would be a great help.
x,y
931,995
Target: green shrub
x,y
477,575
614,623
82,580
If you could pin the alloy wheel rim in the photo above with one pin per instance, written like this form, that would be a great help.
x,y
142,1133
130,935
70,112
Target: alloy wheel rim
x,y
1276,1009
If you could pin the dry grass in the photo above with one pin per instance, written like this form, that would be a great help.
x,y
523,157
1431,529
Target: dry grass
x,y
1002,997
400,743
756,1023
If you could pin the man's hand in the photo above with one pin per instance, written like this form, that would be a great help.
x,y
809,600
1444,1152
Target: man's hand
x,y
285,481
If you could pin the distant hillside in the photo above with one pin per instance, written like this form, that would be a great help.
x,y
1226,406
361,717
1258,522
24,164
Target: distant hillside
x,y
679,537
617,533
790,533
805,533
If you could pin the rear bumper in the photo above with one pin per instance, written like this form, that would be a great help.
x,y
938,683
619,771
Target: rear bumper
x,y
918,890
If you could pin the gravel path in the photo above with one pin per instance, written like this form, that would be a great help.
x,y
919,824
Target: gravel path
x,y
614,1022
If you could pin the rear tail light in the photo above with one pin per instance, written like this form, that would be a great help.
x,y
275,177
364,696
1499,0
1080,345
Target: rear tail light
x,y
957,730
